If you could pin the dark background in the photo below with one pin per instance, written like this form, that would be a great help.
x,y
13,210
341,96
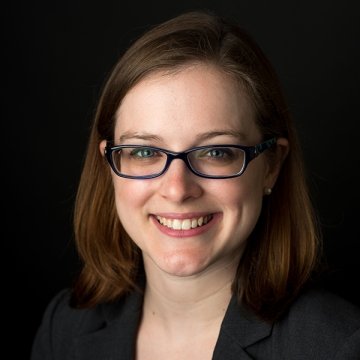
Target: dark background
x,y
56,55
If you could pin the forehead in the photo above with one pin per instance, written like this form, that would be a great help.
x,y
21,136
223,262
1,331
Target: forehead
x,y
182,104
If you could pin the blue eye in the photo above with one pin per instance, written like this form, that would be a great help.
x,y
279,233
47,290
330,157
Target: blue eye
x,y
142,152
216,153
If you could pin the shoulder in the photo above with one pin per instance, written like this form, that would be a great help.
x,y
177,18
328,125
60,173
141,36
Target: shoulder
x,y
321,307
63,326
322,322
61,322
318,325
61,316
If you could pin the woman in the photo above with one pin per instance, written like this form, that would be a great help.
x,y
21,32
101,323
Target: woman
x,y
193,218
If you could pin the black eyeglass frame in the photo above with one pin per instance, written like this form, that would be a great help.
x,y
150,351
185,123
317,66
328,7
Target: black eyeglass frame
x,y
251,152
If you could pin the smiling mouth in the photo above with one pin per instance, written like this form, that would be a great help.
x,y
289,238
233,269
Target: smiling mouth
x,y
184,224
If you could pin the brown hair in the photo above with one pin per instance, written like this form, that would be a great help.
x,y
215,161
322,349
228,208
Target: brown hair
x,y
283,249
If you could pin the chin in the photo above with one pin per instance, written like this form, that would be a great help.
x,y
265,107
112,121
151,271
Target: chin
x,y
183,265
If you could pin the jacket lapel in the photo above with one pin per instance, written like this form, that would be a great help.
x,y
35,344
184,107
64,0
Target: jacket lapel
x,y
116,339
240,329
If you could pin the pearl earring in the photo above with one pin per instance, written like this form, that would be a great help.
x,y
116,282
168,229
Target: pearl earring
x,y
268,191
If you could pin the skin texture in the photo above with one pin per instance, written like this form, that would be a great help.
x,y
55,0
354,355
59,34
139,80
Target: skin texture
x,y
189,273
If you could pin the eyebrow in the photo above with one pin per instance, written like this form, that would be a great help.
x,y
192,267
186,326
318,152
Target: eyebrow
x,y
200,137
136,135
211,134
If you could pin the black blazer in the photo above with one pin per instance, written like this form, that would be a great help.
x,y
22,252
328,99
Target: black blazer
x,y
318,326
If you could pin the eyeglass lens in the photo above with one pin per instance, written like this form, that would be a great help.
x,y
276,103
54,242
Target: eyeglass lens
x,y
211,161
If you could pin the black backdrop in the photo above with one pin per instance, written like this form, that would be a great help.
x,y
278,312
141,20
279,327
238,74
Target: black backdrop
x,y
57,54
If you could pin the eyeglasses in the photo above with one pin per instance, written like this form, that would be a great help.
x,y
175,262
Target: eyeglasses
x,y
213,162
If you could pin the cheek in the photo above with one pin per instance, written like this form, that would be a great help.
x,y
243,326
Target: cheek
x,y
247,189
241,199
130,199
130,195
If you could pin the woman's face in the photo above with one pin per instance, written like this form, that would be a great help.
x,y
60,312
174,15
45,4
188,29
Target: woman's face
x,y
195,106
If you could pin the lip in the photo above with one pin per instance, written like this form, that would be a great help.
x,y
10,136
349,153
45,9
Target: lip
x,y
182,216
185,233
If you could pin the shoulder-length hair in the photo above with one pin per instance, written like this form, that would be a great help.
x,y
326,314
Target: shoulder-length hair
x,y
282,250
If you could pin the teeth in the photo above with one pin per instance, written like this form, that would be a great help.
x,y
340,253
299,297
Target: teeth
x,y
184,224
176,224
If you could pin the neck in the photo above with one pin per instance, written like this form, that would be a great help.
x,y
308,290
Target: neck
x,y
201,298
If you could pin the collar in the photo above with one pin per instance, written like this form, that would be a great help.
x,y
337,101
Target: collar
x,y
239,330
116,338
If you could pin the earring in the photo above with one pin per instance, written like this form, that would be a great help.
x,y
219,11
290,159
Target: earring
x,y
268,191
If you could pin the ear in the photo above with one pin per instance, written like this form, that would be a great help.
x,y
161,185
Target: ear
x,y
102,147
275,162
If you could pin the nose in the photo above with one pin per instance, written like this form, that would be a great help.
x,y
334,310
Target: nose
x,y
179,184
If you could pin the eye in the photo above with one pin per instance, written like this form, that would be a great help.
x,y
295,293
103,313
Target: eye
x,y
143,152
216,153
